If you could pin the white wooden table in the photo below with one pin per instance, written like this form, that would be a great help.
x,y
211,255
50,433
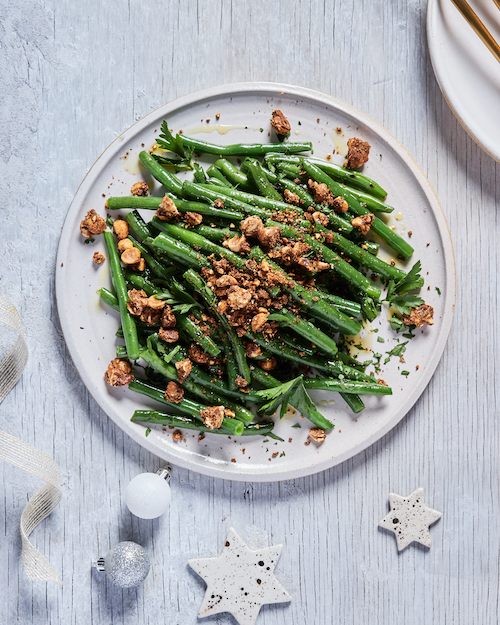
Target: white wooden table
x,y
74,76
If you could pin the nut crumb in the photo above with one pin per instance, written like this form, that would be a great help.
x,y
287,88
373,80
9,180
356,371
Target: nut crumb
x,y
98,258
280,123
317,434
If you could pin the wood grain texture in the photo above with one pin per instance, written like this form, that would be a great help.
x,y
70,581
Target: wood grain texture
x,y
74,76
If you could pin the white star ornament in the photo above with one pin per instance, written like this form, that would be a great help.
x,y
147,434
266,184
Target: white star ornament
x,y
240,580
410,519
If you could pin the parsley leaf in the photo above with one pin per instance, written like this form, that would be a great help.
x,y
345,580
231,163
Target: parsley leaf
x,y
167,141
412,280
403,303
399,350
292,392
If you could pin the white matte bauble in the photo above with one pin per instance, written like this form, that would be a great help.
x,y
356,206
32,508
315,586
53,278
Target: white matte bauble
x,y
148,494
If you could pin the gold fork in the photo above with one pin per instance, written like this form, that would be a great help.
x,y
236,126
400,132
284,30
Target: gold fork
x,y
478,26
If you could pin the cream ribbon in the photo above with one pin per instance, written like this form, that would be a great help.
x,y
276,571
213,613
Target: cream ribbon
x,y
27,457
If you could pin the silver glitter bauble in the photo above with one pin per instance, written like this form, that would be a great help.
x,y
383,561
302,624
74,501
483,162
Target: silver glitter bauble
x,y
126,565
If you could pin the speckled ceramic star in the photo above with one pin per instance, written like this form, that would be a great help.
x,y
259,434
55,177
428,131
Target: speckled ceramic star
x,y
240,580
410,519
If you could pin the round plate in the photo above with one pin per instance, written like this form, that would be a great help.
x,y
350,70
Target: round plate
x,y
234,114
467,73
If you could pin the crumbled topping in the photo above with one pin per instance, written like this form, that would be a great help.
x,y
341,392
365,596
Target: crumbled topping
x,y
120,226
357,153
131,256
291,197
136,301
219,203
167,210
268,365
124,244
280,123
313,265
169,336
269,237
119,372
177,436
320,218
259,321
183,369
174,393
212,416
339,205
382,382
92,224
322,193
252,350
168,319
139,188
237,244
241,382
251,225
420,315
193,219
318,435
238,298
98,258
363,223
197,355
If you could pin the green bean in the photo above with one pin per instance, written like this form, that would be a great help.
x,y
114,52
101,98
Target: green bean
x,y
168,180
353,401
109,298
179,251
361,256
245,149
183,206
257,174
256,201
231,366
305,329
141,282
235,176
138,226
211,193
127,321
191,329
229,427
347,386
214,172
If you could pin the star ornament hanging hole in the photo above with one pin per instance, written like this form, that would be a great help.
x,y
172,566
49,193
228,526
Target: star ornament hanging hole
x,y
240,580
409,518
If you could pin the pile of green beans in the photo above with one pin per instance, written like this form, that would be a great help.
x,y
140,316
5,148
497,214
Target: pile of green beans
x,y
307,328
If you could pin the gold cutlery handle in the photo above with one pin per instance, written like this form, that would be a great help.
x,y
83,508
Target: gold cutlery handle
x,y
478,27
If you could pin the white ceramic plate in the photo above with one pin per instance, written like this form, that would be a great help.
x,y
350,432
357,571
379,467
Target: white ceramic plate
x,y
89,328
467,73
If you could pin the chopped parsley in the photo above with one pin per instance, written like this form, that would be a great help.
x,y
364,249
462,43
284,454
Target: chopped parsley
x,y
398,350
438,290
296,425
405,373
87,241
380,339
148,431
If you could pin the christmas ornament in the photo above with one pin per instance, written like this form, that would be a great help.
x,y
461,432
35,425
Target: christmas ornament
x,y
126,565
240,580
148,494
410,519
